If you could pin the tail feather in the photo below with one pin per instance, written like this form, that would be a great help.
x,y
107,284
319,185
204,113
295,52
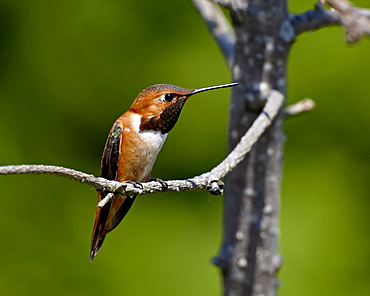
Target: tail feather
x,y
95,246
101,217
107,218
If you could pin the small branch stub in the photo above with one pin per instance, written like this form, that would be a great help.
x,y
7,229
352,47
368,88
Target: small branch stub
x,y
104,201
300,107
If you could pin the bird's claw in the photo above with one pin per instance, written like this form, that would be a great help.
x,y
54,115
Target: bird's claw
x,y
137,185
163,183
215,187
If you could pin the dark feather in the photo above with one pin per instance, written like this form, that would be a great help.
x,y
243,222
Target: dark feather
x,y
109,169
109,164
121,213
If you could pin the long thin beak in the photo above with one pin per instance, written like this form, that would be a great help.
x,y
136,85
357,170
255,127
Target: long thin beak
x,y
198,90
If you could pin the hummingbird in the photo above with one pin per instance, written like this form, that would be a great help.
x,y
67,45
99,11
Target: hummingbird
x,y
133,144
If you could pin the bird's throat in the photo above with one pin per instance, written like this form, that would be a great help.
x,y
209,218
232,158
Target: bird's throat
x,y
166,120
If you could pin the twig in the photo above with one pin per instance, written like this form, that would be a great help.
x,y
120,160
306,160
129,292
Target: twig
x,y
300,107
208,180
106,199
218,26
356,21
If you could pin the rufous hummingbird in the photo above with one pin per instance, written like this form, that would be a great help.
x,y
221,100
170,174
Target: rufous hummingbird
x,y
132,148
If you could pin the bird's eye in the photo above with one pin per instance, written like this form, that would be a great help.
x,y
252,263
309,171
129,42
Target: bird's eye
x,y
169,97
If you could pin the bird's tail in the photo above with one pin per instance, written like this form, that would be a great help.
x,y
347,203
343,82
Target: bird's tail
x,y
107,218
95,246
100,222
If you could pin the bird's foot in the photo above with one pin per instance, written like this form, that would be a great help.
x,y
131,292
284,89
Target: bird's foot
x,y
136,184
215,187
163,183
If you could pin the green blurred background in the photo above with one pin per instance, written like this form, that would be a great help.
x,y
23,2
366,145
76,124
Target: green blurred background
x,y
70,68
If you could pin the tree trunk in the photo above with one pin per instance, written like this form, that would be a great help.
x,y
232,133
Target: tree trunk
x,y
249,259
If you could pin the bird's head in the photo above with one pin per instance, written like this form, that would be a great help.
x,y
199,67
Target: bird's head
x,y
160,105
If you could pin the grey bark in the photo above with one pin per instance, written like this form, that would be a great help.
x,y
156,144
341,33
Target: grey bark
x,y
249,256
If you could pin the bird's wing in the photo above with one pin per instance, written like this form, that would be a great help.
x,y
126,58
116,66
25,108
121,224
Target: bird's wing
x,y
109,170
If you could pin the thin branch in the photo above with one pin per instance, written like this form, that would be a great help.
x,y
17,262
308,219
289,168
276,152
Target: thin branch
x,y
300,107
314,19
100,184
209,181
356,21
274,101
218,26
